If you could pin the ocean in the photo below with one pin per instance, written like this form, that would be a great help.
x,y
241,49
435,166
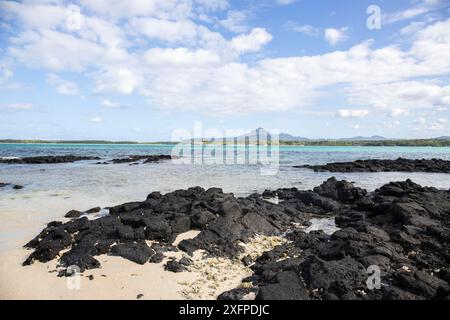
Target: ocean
x,y
50,190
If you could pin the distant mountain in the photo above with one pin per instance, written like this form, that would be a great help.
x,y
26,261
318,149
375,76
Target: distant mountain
x,y
443,138
290,137
360,138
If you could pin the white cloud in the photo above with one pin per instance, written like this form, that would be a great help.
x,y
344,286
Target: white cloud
x,y
251,42
171,31
96,120
397,112
306,28
235,21
420,121
407,94
62,86
352,113
334,36
200,69
122,80
180,57
354,126
110,104
391,124
423,7
18,106
285,2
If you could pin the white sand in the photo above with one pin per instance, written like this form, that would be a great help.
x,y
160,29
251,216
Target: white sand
x,y
205,279
124,279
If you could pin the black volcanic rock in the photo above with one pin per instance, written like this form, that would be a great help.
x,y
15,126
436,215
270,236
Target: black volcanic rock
x,y
134,159
15,186
73,214
402,228
47,159
375,165
137,252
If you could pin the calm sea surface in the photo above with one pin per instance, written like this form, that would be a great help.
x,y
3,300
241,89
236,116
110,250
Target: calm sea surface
x,y
50,190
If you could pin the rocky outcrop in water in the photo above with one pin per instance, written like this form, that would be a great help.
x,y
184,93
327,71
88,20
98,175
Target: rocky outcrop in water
x,y
14,186
47,159
402,229
375,165
138,159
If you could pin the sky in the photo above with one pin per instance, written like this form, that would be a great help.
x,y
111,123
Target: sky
x,y
141,70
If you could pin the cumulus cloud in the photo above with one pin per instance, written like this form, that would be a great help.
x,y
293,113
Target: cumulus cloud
x,y
110,104
334,36
251,42
235,21
96,120
180,63
352,113
62,86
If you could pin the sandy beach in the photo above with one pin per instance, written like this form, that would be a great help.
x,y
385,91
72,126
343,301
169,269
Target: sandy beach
x,y
121,279
117,279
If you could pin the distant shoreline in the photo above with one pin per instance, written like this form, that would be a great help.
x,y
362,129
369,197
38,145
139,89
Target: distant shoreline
x,y
308,143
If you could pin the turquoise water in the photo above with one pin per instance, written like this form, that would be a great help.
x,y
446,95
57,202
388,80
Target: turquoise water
x,y
241,179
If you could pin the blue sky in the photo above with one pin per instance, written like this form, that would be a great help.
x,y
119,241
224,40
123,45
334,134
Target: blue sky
x,y
138,70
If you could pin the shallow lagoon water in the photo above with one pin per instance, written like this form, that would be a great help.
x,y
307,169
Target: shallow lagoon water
x,y
53,189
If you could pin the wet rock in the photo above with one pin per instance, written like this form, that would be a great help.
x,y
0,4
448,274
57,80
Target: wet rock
x,y
73,214
17,187
93,210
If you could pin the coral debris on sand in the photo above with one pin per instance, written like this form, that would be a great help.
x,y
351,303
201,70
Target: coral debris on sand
x,y
401,228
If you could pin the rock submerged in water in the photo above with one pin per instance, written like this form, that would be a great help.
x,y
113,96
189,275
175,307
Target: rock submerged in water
x,y
376,165
47,159
14,186
402,228
137,159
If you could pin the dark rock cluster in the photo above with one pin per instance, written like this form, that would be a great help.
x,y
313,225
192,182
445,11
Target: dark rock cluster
x,y
401,228
376,165
137,159
47,159
14,186
222,219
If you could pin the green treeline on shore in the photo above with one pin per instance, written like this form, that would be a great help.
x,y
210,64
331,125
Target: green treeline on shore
x,y
375,143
